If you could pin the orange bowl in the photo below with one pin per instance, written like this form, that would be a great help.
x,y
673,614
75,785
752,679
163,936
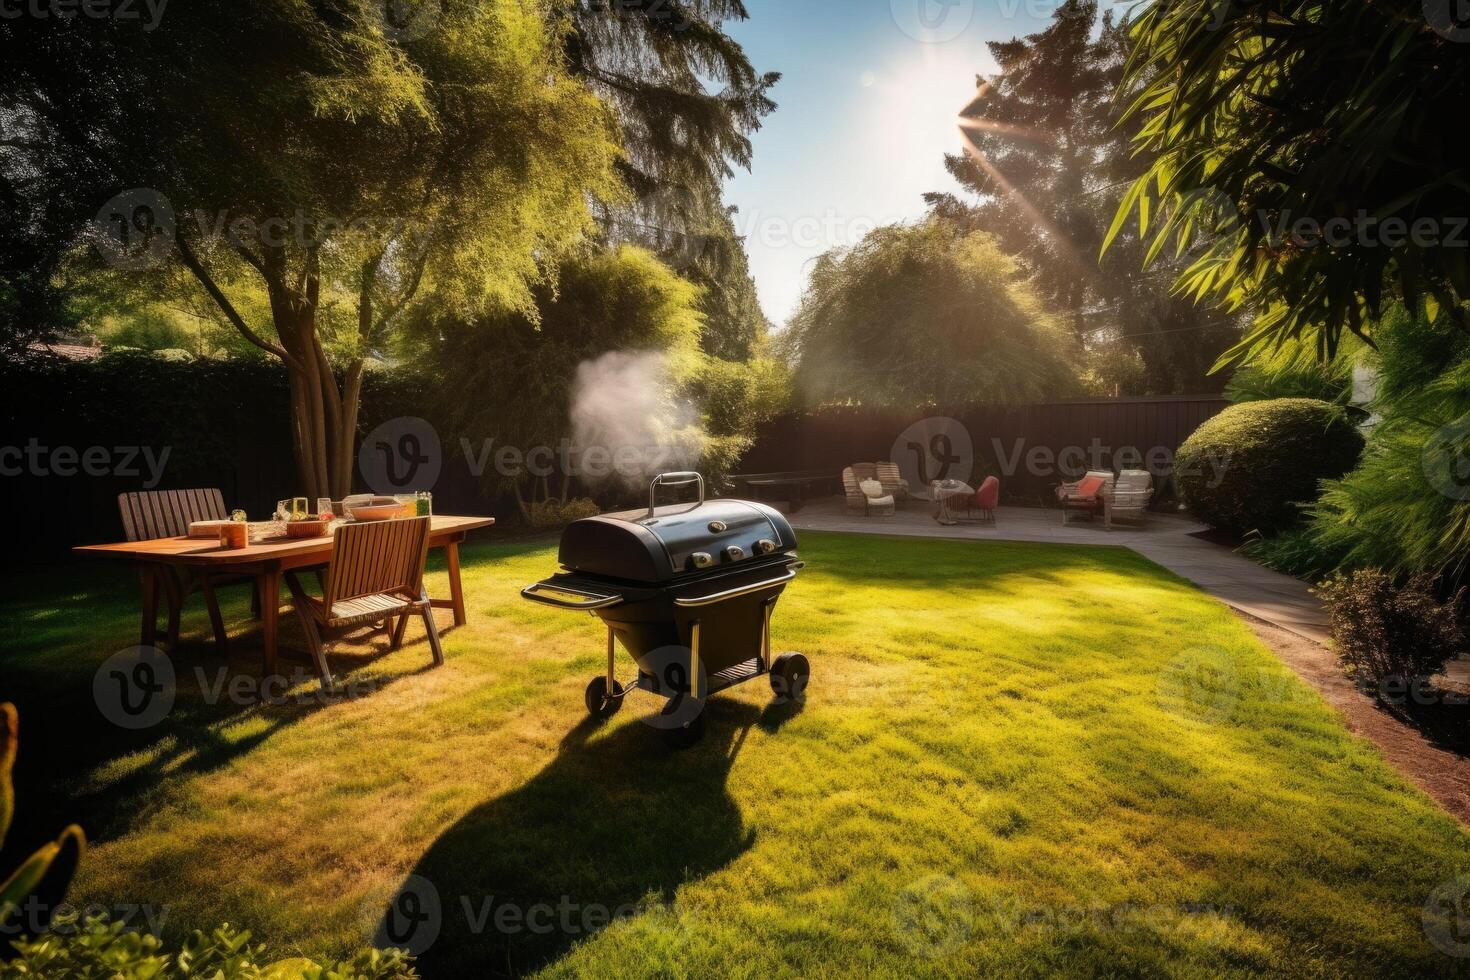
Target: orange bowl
x,y
377,512
306,529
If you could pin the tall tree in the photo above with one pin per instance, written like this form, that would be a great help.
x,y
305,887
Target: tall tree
x,y
1311,139
924,315
686,99
1045,153
319,156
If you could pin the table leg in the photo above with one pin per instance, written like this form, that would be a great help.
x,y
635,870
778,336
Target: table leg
x,y
149,582
456,590
269,585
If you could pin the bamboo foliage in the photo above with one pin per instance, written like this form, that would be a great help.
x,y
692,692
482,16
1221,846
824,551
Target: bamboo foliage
x,y
1264,113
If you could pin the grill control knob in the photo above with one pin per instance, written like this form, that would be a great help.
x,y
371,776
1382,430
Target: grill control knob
x,y
734,552
718,527
701,559
765,546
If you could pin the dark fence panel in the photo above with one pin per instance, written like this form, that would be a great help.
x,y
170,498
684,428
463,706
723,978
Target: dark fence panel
x,y
1030,447
220,424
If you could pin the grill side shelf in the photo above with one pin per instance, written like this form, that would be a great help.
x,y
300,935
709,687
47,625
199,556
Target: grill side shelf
x,y
547,594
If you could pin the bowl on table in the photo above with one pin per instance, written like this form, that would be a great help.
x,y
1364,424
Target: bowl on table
x,y
373,508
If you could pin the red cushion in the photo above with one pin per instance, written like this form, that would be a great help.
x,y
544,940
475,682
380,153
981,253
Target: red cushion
x,y
988,496
1089,486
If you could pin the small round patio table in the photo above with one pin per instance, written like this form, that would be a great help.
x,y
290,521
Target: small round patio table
x,y
940,491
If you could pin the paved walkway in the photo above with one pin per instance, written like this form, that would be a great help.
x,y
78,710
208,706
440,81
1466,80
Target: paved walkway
x,y
1165,539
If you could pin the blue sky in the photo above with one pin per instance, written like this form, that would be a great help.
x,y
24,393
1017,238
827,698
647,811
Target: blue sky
x,y
868,100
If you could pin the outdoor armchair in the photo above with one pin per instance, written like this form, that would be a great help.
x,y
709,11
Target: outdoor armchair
x,y
1129,497
1086,496
894,485
376,576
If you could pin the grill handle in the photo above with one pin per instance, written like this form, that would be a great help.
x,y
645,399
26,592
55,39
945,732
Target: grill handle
x,y
709,600
672,480
590,600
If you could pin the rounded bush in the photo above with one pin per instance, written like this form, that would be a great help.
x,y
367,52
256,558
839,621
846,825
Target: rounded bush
x,y
1253,466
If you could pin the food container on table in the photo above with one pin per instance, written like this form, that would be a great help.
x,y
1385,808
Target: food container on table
x,y
307,529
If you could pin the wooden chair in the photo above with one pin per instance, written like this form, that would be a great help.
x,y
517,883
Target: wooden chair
x,y
376,575
150,514
1088,496
893,482
1128,498
857,501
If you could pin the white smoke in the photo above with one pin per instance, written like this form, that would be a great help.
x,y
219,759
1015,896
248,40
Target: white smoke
x,y
628,423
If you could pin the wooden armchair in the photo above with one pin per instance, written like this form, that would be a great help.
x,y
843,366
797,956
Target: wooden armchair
x,y
894,485
150,514
1087,496
376,576
858,501
1128,498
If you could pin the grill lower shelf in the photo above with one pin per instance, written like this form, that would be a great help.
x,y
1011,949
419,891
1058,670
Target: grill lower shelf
x,y
714,683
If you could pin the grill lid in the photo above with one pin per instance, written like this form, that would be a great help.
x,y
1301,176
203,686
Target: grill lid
x,y
665,543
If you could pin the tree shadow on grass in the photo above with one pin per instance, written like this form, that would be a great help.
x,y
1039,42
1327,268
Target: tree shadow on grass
x,y
609,830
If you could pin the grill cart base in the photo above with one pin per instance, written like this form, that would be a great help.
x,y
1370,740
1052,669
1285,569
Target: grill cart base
x,y
789,674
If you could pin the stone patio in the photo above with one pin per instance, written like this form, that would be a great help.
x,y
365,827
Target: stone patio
x,y
1165,539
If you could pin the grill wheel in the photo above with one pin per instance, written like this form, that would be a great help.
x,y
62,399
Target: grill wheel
x,y
686,736
599,704
789,677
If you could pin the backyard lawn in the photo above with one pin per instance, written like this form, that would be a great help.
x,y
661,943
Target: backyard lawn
x,y
1014,758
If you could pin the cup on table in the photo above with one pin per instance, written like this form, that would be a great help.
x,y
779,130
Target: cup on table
x,y
235,534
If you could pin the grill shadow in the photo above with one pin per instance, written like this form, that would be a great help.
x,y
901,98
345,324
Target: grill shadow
x,y
609,830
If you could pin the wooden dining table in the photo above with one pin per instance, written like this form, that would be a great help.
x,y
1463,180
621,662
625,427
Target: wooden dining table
x,y
267,561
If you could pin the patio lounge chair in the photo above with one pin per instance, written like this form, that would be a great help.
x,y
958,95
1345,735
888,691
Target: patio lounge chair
x,y
1086,496
376,575
1129,497
150,514
894,485
852,479
859,501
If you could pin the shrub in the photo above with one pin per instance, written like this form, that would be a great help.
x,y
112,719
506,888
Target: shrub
x,y
101,948
1253,466
1406,508
1387,632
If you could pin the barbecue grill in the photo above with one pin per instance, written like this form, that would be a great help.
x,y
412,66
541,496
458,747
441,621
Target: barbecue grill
x,y
688,590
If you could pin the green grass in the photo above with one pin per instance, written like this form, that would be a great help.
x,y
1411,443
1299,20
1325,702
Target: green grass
x,y
1015,759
